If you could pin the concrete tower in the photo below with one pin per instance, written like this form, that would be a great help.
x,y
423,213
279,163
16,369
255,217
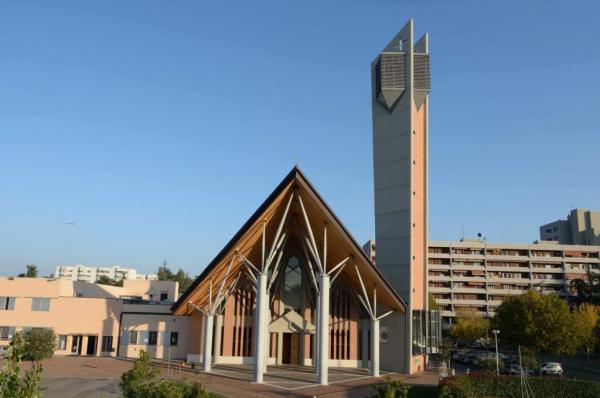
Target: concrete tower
x,y
400,88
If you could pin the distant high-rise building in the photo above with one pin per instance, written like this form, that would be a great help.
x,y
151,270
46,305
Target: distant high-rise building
x,y
480,275
85,273
582,227
370,250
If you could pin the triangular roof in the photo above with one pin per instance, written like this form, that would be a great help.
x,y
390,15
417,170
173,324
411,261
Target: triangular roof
x,y
248,242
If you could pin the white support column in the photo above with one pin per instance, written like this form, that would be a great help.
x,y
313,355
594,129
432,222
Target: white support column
x,y
323,331
375,347
259,325
217,338
208,335
267,316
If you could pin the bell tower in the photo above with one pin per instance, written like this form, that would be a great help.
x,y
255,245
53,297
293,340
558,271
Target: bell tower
x,y
400,82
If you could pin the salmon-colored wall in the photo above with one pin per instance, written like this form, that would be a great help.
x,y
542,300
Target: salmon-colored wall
x,y
195,333
419,206
158,323
86,316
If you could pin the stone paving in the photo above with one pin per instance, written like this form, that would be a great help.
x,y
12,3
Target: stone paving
x,y
91,377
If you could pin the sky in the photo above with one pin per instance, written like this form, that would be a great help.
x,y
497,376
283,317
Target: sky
x,y
158,127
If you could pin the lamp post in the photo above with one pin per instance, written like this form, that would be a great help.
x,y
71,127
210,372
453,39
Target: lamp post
x,y
496,332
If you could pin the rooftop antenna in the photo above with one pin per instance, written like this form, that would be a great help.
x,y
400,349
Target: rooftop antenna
x,y
462,230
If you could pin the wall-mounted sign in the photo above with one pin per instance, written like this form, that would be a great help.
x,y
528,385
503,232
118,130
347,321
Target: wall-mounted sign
x,y
383,334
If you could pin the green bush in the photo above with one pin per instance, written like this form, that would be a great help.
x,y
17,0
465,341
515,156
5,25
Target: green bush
x,y
489,364
14,382
39,344
390,389
486,385
142,381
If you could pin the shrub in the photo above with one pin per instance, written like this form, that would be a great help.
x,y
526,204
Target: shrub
x,y
142,381
487,385
39,344
489,364
137,380
390,389
12,384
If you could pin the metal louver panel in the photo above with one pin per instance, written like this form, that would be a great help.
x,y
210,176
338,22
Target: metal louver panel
x,y
390,78
392,70
421,72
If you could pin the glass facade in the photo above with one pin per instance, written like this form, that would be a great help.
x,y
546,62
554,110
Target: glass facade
x,y
292,287
426,332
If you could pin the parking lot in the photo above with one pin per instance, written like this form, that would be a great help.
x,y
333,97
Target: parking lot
x,y
478,358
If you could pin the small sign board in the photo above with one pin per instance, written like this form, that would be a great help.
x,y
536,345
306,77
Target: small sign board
x,y
383,334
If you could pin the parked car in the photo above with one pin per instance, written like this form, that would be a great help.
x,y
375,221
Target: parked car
x,y
479,345
458,355
3,351
471,357
516,370
551,368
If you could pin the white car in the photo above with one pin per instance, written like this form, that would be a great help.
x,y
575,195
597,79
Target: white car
x,y
516,370
551,368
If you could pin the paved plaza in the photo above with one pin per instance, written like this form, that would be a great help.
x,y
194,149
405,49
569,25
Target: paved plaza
x,y
94,377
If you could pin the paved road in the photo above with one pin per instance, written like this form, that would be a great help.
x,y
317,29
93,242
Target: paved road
x,y
59,387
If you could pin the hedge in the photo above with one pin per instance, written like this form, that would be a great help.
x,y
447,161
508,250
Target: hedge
x,y
489,385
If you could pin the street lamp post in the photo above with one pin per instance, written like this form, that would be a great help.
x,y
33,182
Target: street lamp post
x,y
496,332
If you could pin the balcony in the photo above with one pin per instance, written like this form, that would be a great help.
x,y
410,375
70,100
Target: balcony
x,y
434,289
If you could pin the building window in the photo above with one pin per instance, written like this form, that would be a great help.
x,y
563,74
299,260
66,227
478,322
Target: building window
x,y
107,345
152,338
62,342
174,338
292,290
7,303
164,296
4,333
133,337
40,304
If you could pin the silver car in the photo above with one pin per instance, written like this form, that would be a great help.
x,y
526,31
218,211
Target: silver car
x,y
551,368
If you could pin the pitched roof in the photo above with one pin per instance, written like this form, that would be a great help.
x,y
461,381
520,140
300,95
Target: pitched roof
x,y
295,178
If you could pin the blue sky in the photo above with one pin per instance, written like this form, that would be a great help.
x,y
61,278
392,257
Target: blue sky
x,y
159,127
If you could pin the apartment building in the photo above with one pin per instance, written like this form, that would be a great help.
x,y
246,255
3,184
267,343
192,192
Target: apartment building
x,y
582,227
89,274
477,274
370,249
92,319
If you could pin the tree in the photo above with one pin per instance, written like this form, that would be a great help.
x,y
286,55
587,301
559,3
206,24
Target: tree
x,y
165,274
15,383
31,272
587,289
586,319
184,280
105,280
433,305
469,326
39,344
541,322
